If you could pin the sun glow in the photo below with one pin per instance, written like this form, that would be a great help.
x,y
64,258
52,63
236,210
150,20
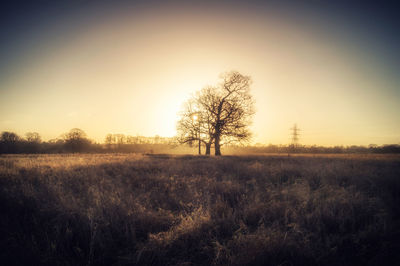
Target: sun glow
x,y
130,73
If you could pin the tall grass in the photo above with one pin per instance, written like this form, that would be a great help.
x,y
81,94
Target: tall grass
x,y
191,210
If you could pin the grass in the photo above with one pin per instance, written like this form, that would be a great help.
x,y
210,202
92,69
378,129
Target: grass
x,y
124,209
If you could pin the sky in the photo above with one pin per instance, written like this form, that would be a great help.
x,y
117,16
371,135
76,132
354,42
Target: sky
x,y
126,67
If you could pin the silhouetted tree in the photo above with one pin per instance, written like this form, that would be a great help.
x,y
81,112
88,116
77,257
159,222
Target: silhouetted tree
x,y
33,141
109,140
33,137
120,139
76,140
225,110
10,137
9,142
194,125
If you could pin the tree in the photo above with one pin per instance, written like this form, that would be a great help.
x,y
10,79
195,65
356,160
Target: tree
x,y
194,126
33,142
33,137
109,140
9,142
225,112
120,139
9,137
76,140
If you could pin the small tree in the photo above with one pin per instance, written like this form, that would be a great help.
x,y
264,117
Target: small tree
x,y
33,142
9,142
9,137
194,127
120,139
33,137
76,140
109,140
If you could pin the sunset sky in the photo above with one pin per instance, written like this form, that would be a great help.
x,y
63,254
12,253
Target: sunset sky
x,y
119,67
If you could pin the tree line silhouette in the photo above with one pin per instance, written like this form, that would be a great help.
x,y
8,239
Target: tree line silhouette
x,y
76,140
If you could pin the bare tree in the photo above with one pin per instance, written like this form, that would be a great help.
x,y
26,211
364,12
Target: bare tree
x,y
226,112
109,140
9,142
120,139
194,127
76,140
33,137
32,144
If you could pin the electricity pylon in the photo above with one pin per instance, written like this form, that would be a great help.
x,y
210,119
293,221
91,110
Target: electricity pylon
x,y
295,136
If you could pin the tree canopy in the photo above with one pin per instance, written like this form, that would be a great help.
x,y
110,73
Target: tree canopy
x,y
223,113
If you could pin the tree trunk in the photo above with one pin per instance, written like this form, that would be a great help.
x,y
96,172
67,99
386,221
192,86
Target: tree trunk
x,y
208,148
217,146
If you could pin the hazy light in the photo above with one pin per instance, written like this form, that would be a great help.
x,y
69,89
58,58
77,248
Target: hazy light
x,y
131,71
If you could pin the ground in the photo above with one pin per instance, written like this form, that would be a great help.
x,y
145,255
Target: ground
x,y
104,209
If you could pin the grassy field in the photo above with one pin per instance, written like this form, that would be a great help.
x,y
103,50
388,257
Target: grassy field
x,y
121,209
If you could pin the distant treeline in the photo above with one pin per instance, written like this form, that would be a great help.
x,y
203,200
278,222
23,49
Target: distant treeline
x,y
76,140
389,148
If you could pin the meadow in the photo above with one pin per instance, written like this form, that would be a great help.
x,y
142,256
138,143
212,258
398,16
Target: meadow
x,y
133,209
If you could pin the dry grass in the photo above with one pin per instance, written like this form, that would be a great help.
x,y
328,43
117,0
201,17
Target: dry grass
x,y
189,210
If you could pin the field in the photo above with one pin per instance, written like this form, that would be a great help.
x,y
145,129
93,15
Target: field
x,y
125,209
